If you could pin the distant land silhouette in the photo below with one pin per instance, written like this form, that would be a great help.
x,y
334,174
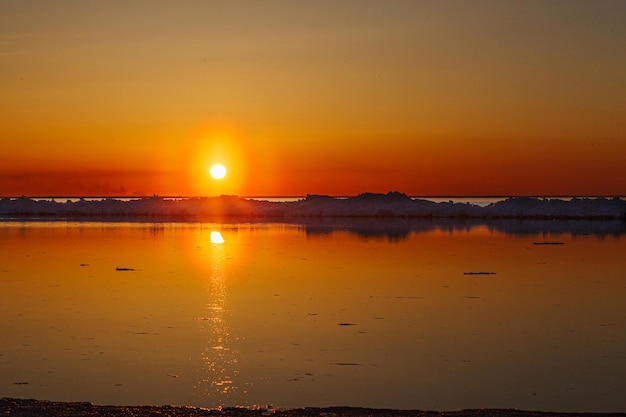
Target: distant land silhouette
x,y
314,208
392,204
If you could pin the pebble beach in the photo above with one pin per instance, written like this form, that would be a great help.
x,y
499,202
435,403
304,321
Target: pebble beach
x,y
37,408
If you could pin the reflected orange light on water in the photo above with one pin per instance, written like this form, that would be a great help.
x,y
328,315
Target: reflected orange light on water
x,y
84,317
414,313
217,378
298,315
216,237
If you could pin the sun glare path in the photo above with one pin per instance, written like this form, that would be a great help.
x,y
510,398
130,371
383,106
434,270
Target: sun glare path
x,y
217,171
216,237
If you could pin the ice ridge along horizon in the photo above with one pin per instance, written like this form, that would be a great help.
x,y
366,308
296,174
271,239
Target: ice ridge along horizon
x,y
392,204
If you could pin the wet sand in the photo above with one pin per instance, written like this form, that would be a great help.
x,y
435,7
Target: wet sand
x,y
35,408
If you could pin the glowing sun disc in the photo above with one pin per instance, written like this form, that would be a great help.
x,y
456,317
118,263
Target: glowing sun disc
x,y
217,171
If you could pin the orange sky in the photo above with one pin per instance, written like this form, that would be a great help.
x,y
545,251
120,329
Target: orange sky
x,y
427,98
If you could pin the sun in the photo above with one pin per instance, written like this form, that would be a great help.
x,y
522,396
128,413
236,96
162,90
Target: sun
x,y
217,171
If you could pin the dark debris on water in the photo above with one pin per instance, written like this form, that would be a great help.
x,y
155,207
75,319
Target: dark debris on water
x,y
548,243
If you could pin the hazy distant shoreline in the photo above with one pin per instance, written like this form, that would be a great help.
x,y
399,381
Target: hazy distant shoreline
x,y
390,205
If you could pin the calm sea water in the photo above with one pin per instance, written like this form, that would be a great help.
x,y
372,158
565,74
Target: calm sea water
x,y
398,314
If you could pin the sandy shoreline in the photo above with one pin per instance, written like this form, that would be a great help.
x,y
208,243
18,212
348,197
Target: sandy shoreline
x,y
37,408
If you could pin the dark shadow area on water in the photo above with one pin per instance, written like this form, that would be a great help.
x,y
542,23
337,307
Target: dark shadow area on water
x,y
395,229
398,229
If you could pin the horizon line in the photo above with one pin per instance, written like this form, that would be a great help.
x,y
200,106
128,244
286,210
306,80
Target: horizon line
x,y
490,196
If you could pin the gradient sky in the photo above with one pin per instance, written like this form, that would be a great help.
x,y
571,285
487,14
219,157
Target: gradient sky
x,y
295,97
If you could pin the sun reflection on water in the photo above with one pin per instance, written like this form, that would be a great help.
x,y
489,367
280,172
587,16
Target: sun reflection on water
x,y
216,237
217,378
